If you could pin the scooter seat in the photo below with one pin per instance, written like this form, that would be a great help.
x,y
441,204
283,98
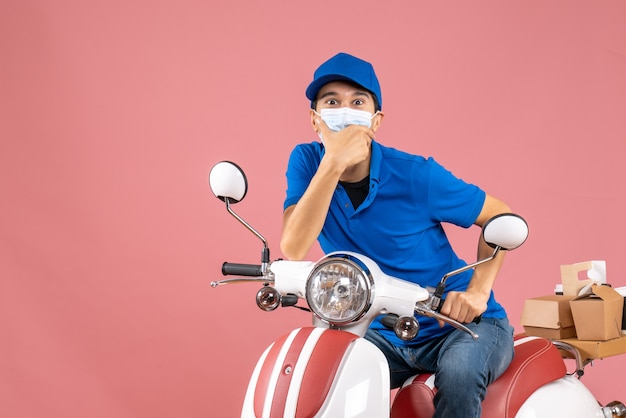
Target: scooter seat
x,y
536,362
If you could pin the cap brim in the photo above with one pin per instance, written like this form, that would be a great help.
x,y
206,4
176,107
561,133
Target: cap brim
x,y
317,84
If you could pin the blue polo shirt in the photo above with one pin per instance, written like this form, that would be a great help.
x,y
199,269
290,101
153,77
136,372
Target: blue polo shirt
x,y
399,224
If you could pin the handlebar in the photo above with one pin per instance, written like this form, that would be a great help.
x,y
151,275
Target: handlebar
x,y
422,308
236,269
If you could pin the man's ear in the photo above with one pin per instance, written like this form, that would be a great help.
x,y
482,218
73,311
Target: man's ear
x,y
377,120
313,118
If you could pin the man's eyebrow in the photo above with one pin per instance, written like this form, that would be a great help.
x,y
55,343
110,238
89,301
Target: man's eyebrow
x,y
363,93
356,93
328,93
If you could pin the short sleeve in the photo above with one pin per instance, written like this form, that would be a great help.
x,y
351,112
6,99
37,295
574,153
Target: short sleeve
x,y
302,166
451,199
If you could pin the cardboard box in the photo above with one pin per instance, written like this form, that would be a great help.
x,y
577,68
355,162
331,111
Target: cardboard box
x,y
549,317
591,350
598,315
622,291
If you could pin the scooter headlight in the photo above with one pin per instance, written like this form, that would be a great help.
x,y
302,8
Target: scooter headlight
x,y
340,289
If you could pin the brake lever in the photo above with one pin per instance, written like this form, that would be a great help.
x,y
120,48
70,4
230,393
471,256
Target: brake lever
x,y
422,308
261,279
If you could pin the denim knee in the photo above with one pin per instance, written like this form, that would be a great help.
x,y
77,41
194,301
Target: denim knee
x,y
466,367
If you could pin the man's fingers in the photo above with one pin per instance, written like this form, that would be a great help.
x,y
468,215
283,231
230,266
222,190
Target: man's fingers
x,y
321,125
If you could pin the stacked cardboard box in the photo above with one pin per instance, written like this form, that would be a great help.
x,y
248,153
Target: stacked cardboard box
x,y
593,321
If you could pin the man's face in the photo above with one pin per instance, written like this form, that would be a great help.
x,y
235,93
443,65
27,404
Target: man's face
x,y
342,94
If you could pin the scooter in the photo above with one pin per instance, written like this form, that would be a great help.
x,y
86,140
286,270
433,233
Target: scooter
x,y
329,369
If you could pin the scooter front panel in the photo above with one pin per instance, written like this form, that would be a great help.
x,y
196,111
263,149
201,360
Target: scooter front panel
x,y
321,371
297,373
275,375
360,388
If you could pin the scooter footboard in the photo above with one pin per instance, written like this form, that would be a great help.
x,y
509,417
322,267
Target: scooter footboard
x,y
315,372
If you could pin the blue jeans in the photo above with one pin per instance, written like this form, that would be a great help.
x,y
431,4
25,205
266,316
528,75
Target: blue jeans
x,y
463,366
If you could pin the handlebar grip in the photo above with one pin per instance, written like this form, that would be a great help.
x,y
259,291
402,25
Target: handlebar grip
x,y
235,269
389,320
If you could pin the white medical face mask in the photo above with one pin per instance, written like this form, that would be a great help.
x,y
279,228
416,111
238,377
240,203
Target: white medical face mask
x,y
338,118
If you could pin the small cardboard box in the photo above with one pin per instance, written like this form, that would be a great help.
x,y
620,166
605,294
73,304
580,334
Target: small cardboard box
x,y
549,317
598,315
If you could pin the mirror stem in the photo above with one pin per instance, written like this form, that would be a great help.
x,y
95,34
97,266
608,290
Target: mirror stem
x,y
265,254
471,266
435,299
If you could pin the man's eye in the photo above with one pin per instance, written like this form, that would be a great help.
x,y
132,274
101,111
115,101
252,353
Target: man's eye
x,y
359,102
331,102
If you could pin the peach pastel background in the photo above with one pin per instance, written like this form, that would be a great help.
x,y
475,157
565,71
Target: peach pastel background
x,y
112,113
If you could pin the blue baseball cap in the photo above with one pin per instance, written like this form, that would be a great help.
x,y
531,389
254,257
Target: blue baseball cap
x,y
345,67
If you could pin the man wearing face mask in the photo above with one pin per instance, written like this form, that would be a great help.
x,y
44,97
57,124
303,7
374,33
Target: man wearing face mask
x,y
352,193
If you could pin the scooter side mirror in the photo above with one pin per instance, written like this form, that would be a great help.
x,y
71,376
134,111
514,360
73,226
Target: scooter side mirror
x,y
507,231
229,184
228,181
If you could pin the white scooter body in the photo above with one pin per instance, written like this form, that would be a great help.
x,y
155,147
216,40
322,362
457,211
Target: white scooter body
x,y
353,372
306,384
566,397
315,371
